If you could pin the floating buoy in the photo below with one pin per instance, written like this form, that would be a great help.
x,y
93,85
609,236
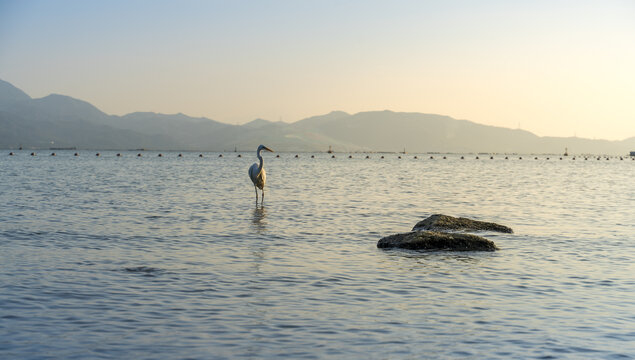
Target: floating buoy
x,y
201,155
520,158
179,155
536,158
11,154
240,155
139,155
431,157
491,158
277,155
118,154
367,156
560,158
506,158
477,158
32,154
160,155
415,157
382,156
220,155
333,157
312,156
98,154
52,154
444,158
547,158
76,154
399,157
462,157
296,155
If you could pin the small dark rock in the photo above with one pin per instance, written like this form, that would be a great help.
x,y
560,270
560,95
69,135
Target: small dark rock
x,y
439,222
143,269
431,240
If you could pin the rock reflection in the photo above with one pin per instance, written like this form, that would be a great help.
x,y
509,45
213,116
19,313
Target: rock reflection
x,y
433,261
259,221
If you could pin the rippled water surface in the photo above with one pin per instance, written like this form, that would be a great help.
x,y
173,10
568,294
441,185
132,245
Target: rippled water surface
x,y
169,258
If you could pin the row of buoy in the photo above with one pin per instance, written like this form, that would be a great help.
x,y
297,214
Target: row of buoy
x,y
351,156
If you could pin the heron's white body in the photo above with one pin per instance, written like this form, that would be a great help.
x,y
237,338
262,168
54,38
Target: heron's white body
x,y
257,173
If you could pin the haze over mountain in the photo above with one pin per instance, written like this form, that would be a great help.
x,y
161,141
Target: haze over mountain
x,y
62,121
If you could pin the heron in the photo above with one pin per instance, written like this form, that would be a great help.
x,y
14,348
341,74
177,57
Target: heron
x,y
257,173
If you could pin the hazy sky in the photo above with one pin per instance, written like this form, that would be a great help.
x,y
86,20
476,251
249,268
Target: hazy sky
x,y
558,68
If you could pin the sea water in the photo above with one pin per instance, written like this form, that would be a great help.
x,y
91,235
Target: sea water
x,y
170,257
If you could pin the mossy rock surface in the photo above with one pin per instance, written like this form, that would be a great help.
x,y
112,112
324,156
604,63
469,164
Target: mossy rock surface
x,y
433,240
439,222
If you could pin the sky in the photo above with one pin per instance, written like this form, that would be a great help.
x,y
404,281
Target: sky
x,y
555,68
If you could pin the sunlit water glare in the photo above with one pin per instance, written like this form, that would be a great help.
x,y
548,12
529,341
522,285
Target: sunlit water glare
x,y
167,257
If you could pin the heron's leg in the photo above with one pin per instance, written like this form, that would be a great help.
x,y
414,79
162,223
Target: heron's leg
x,y
263,196
255,188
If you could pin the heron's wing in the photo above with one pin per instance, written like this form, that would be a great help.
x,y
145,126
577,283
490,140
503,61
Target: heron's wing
x,y
253,173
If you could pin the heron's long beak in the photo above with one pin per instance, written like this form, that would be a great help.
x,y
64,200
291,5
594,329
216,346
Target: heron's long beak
x,y
266,148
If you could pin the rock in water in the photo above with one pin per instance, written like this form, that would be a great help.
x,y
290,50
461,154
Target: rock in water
x,y
438,232
432,240
439,222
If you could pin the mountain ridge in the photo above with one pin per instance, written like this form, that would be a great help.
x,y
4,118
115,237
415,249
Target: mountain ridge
x,y
66,121
10,94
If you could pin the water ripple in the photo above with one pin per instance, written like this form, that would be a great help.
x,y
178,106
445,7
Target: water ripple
x,y
170,258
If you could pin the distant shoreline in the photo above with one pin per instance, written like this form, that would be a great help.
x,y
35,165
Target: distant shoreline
x,y
399,153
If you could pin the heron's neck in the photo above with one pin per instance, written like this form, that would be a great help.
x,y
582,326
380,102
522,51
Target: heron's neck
x,y
261,161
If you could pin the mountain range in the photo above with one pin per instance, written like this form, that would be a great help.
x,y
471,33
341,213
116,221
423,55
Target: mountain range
x,y
62,121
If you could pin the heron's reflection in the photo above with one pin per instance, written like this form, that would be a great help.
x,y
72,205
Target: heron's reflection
x,y
259,220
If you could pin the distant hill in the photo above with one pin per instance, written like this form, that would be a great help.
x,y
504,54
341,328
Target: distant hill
x,y
62,121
